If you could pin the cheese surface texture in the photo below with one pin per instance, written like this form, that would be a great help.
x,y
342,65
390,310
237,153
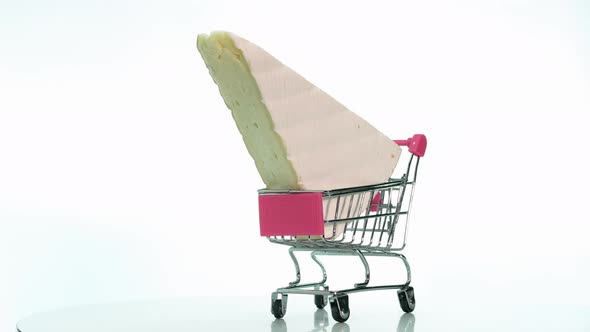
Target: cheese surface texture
x,y
298,136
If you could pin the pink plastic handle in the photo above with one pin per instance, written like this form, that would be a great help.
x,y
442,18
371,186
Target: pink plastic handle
x,y
291,214
416,144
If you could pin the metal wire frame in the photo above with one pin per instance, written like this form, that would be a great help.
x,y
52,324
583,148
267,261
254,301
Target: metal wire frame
x,y
366,230
367,233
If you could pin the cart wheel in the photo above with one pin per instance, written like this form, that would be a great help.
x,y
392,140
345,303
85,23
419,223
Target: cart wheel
x,y
277,309
406,299
320,301
340,309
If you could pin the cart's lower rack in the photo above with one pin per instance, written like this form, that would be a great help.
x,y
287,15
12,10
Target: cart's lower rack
x,y
338,300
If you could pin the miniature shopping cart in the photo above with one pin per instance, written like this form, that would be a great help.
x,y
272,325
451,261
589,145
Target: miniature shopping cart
x,y
361,221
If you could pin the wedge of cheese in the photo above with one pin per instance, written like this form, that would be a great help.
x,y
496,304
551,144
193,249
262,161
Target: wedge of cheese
x,y
298,136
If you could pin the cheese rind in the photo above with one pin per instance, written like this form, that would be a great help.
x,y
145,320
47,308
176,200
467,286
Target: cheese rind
x,y
241,94
298,136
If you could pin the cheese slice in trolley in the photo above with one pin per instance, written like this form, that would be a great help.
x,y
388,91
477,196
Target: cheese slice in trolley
x,y
299,137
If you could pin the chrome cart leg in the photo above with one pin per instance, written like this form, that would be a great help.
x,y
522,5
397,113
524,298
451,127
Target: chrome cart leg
x,y
358,253
297,282
320,300
367,270
319,263
297,269
407,265
396,255
405,294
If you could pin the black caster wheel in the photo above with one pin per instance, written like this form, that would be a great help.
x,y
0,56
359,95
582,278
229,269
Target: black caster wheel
x,y
320,301
340,309
406,299
277,309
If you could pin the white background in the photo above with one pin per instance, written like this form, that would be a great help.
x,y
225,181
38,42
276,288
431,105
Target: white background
x,y
123,176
